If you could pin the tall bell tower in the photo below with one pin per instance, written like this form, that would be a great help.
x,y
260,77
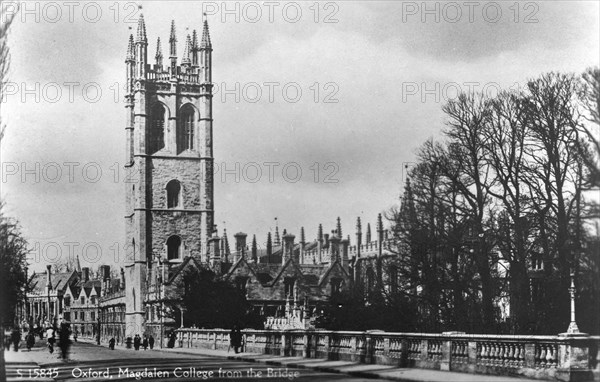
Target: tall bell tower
x,y
169,159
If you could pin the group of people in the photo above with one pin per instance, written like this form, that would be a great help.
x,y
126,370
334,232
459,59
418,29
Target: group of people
x,y
14,338
144,343
64,340
52,333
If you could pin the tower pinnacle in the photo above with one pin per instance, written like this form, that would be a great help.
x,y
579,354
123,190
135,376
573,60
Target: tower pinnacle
x,y
130,50
205,43
141,30
173,40
186,60
159,55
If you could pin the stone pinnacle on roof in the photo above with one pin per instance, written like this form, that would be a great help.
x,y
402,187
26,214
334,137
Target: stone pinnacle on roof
x,y
130,51
159,54
186,52
205,43
141,30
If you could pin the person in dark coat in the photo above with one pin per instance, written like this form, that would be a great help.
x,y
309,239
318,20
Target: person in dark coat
x,y
30,339
172,339
136,342
235,338
111,343
145,343
151,342
15,337
64,342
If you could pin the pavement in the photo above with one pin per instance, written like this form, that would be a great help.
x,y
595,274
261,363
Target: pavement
x,y
354,369
86,355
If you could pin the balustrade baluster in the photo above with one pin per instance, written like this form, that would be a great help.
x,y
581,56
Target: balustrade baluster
x,y
542,355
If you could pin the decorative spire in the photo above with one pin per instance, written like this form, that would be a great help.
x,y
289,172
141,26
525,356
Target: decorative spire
x,y
173,40
194,39
195,48
277,238
78,265
269,247
302,237
379,223
130,51
368,233
159,55
254,249
225,242
320,233
186,60
338,228
205,43
358,226
141,30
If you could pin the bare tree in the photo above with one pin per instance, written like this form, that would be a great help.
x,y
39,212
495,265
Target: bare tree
x,y
468,170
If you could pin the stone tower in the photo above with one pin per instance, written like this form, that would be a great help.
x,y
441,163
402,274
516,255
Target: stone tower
x,y
169,158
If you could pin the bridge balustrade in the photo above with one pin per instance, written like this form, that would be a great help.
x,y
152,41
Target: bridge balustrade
x,y
564,358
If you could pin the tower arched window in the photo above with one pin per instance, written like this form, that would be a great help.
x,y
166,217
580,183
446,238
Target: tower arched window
x,y
173,194
174,247
157,128
185,130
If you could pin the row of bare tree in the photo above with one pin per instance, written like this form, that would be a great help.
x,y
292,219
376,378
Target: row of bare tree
x,y
503,210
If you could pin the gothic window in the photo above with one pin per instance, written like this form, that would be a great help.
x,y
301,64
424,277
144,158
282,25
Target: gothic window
x,y
289,284
82,300
157,128
174,247
185,129
173,193
336,286
240,283
67,301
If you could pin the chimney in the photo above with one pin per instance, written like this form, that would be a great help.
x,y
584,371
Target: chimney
x,y
48,277
122,286
85,274
343,251
380,233
288,247
214,252
334,249
105,272
240,244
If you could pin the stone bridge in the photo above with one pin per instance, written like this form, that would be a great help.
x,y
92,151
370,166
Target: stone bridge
x,y
561,357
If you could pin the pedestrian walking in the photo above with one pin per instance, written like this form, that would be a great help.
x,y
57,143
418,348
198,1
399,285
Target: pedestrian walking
x,y
136,342
15,337
50,338
172,339
235,338
111,343
151,342
30,340
145,342
64,342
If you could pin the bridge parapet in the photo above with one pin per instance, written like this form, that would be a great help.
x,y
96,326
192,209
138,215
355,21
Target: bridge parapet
x,y
563,358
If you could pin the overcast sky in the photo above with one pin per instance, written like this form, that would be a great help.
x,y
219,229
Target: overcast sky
x,y
373,77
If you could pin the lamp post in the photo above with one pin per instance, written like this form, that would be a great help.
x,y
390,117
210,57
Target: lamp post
x,y
573,329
